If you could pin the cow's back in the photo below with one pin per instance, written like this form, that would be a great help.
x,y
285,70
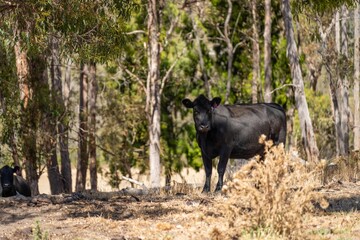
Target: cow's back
x,y
244,124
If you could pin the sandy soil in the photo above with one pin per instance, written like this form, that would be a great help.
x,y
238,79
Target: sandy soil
x,y
179,214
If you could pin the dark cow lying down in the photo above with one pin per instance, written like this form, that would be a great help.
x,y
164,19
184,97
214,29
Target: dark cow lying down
x,y
233,131
11,184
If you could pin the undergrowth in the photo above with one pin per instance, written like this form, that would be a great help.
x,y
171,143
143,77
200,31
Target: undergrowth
x,y
271,196
39,234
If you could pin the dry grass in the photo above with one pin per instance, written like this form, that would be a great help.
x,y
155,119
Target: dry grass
x,y
343,169
271,196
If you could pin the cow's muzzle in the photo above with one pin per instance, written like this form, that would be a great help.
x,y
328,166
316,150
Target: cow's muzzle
x,y
7,186
204,128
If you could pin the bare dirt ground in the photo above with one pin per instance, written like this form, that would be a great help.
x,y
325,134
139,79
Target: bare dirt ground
x,y
179,214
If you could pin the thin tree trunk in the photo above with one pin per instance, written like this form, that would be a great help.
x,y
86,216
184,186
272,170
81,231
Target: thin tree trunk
x,y
256,54
336,112
307,133
83,157
55,178
356,80
340,88
230,51
267,51
153,100
344,87
92,126
333,88
22,68
63,131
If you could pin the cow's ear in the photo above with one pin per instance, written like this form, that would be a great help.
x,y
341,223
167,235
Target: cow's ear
x,y
187,103
215,102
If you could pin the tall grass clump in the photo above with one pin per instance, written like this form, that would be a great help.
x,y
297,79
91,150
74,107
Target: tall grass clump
x,y
271,195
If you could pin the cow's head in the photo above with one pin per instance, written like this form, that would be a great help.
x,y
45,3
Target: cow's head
x,y
7,181
202,111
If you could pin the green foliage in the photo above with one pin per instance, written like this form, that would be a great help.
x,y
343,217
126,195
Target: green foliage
x,y
322,120
39,234
281,74
321,115
123,133
9,100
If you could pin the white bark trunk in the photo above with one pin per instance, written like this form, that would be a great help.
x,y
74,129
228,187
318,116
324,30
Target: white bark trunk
x,y
340,88
153,94
344,87
356,80
267,51
229,50
256,54
307,133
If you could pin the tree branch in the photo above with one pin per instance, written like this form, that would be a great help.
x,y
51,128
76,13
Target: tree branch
x,y
169,71
136,78
283,86
136,32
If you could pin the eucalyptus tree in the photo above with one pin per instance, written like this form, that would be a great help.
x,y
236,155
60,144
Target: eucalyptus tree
x,y
307,132
267,51
256,53
335,58
356,78
84,32
341,88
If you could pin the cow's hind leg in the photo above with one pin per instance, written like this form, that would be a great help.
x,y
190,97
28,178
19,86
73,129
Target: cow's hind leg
x,y
224,158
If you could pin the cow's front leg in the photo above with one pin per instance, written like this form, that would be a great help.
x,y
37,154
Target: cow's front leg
x,y
224,158
208,171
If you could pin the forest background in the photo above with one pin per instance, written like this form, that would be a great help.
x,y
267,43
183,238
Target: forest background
x,y
90,84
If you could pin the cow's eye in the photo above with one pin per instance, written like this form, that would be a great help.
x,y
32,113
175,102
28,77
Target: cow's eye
x,y
196,112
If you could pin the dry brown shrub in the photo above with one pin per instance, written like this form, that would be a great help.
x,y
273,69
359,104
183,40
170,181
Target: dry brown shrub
x,y
271,194
343,168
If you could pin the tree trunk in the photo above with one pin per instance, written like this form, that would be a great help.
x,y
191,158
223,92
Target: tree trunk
x,y
340,88
37,121
83,157
55,178
267,51
22,68
333,88
92,126
230,51
153,100
307,133
63,130
356,80
344,88
28,122
256,54
336,112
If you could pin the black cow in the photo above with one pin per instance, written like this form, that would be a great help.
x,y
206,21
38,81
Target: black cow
x,y
11,184
233,131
